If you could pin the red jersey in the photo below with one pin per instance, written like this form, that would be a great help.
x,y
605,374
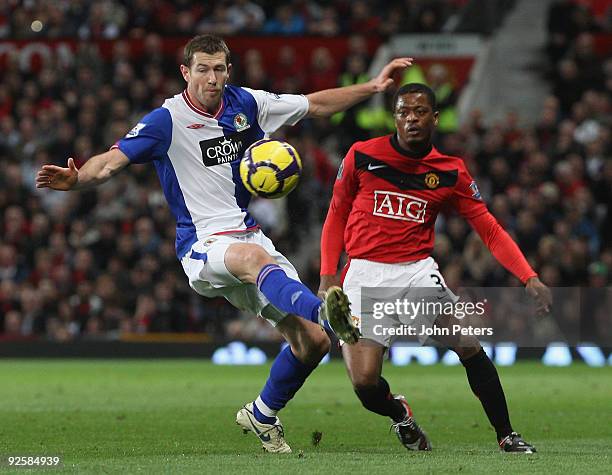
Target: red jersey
x,y
386,202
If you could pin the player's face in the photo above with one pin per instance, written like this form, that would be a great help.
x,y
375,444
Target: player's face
x,y
415,119
206,78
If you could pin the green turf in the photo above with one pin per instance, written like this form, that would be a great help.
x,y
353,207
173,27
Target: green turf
x,y
178,417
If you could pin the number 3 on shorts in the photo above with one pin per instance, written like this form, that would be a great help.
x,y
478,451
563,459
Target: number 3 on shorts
x,y
438,281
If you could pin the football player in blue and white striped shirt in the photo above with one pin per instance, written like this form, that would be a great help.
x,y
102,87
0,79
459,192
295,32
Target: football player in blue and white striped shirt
x,y
195,140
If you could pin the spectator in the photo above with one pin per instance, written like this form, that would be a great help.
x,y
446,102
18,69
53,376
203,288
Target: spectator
x,y
286,21
323,72
247,16
289,67
221,22
326,23
439,80
363,19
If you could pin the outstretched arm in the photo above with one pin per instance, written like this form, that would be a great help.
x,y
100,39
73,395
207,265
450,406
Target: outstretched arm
x,y
96,170
502,246
467,200
329,101
508,254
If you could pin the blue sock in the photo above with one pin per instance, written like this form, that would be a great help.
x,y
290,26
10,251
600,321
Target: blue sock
x,y
287,294
286,376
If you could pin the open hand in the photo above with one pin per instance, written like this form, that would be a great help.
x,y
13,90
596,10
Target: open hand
x,y
384,80
541,294
57,178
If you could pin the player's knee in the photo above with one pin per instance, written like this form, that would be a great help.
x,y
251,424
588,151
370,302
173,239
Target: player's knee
x,y
467,348
364,381
246,260
255,257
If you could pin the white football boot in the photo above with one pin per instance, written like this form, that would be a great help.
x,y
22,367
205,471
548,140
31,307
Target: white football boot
x,y
272,436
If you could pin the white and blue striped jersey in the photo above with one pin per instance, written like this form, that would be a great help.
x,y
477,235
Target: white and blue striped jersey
x,y
197,156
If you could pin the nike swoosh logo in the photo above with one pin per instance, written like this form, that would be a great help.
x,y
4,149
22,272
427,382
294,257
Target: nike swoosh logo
x,y
375,167
263,437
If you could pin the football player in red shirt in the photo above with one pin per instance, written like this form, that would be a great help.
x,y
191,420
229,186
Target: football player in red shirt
x,y
386,199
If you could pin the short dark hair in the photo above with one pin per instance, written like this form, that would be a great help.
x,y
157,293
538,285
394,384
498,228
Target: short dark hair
x,y
209,44
416,88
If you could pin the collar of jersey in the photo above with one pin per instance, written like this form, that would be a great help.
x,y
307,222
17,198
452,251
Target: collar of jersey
x,y
199,110
398,148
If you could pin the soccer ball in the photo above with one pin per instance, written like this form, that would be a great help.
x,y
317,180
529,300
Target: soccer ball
x,y
270,168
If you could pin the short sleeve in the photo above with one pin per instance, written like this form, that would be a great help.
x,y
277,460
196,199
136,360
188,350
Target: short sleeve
x,y
467,199
276,110
149,139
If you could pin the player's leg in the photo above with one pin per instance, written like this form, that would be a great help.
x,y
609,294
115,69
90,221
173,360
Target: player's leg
x,y
363,363
364,366
482,377
252,263
228,266
308,343
480,370
364,360
485,384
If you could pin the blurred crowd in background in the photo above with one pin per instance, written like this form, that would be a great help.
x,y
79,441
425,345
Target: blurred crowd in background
x,y
111,19
101,263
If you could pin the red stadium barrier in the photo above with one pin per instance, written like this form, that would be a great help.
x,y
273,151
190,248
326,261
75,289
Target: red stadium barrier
x,y
32,54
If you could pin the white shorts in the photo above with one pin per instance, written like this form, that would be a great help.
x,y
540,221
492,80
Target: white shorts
x,y
208,276
367,282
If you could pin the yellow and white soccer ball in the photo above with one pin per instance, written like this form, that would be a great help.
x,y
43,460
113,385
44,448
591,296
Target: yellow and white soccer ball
x,y
270,168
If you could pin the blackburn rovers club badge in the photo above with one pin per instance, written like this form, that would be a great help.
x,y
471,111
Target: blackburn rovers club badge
x,y
432,180
241,122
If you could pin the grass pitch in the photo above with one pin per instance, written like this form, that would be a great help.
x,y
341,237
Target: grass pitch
x,y
161,416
